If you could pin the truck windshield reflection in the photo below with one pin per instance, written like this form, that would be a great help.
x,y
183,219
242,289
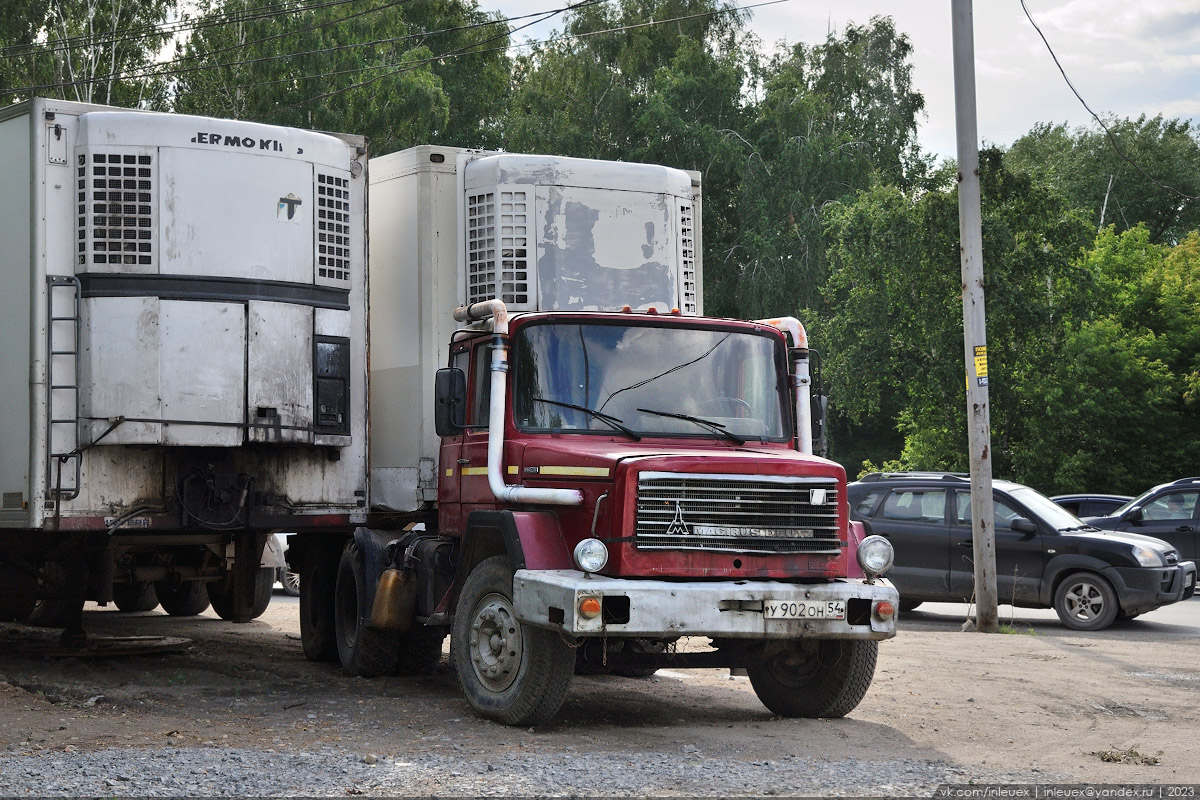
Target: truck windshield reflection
x,y
649,381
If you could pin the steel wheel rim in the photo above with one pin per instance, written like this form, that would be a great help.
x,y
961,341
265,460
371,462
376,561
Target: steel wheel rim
x,y
495,642
1085,601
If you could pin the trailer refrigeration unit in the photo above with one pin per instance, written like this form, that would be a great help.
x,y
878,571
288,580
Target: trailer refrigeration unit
x,y
595,471
184,318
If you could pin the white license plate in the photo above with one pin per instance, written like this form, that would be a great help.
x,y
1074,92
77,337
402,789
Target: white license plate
x,y
1188,580
804,609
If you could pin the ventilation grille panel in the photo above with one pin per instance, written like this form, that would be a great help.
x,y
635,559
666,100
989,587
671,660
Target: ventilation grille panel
x,y
115,196
498,247
687,260
332,234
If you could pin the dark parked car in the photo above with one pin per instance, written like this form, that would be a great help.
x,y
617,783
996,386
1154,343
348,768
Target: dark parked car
x,y
1091,505
1169,512
1045,557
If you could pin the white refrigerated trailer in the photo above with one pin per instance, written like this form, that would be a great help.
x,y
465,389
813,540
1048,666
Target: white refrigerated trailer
x,y
184,319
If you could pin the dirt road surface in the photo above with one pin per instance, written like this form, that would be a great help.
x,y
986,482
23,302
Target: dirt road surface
x,y
1041,704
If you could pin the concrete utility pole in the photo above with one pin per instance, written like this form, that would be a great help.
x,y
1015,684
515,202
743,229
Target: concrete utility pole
x,y
979,432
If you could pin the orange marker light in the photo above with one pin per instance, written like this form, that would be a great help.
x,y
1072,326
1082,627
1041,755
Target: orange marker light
x,y
884,610
589,607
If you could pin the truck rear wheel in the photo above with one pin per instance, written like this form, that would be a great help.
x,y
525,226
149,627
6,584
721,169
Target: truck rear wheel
x,y
363,650
222,598
510,672
186,599
318,576
813,678
136,596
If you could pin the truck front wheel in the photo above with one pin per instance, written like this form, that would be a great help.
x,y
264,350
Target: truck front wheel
x,y
510,672
813,678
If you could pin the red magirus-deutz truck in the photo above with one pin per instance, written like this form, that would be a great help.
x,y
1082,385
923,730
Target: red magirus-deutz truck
x,y
575,469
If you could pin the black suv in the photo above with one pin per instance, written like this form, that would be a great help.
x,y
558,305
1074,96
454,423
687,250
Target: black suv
x,y
1170,511
1045,557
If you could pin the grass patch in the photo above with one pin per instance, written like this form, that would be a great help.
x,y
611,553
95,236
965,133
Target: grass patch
x,y
1015,631
1128,756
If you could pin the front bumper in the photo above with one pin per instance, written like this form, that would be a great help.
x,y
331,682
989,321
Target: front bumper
x,y
731,609
1142,589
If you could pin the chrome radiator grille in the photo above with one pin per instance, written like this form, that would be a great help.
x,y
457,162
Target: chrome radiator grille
x,y
733,513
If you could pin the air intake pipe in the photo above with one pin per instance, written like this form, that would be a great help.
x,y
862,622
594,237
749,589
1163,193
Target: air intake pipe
x,y
803,380
506,493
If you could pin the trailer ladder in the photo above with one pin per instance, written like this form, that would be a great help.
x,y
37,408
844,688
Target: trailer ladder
x,y
62,377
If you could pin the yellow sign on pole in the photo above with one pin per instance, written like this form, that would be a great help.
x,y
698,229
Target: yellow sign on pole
x,y
981,365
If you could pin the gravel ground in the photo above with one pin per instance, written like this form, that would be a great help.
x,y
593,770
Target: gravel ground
x,y
240,772
239,712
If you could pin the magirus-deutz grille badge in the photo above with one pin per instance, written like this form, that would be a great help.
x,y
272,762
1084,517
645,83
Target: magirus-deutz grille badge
x,y
678,527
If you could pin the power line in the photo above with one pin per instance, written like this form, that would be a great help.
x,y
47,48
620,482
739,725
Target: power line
x,y
462,51
166,29
1112,139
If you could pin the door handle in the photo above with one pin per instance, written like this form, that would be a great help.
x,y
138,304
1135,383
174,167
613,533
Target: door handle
x,y
966,544
1184,529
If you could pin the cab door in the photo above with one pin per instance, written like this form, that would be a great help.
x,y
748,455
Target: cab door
x,y
474,492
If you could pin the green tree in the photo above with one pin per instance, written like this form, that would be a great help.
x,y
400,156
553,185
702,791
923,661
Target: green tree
x,y
429,71
1157,186
94,51
894,325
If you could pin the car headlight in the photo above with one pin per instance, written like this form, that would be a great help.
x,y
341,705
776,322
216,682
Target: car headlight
x,y
591,555
1148,557
875,555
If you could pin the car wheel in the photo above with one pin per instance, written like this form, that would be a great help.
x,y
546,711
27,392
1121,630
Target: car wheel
x,y
1086,602
290,582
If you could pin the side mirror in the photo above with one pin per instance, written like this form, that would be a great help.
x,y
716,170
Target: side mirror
x,y
1022,525
450,402
820,412
1134,514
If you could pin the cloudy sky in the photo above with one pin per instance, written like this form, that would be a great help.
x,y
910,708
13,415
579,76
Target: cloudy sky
x,y
1126,57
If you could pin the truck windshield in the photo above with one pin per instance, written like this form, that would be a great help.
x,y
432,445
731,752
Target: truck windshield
x,y
572,376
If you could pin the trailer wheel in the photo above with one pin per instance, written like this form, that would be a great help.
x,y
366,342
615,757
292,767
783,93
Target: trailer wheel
x,y
318,576
186,599
57,608
363,650
420,651
136,596
813,678
510,672
223,600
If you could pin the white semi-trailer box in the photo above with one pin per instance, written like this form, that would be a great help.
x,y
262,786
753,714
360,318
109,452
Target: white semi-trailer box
x,y
450,227
184,317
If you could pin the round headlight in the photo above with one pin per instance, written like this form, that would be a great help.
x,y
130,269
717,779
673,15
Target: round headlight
x,y
875,555
591,555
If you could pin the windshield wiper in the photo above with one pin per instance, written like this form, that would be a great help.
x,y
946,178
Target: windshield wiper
x,y
713,426
607,419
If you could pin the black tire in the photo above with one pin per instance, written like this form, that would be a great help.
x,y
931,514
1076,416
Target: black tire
x,y
136,596
290,582
510,672
223,602
318,578
419,651
364,651
813,678
16,607
909,605
55,609
1084,601
186,599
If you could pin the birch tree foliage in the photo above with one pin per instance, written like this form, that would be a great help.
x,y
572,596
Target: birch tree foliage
x,y
93,51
